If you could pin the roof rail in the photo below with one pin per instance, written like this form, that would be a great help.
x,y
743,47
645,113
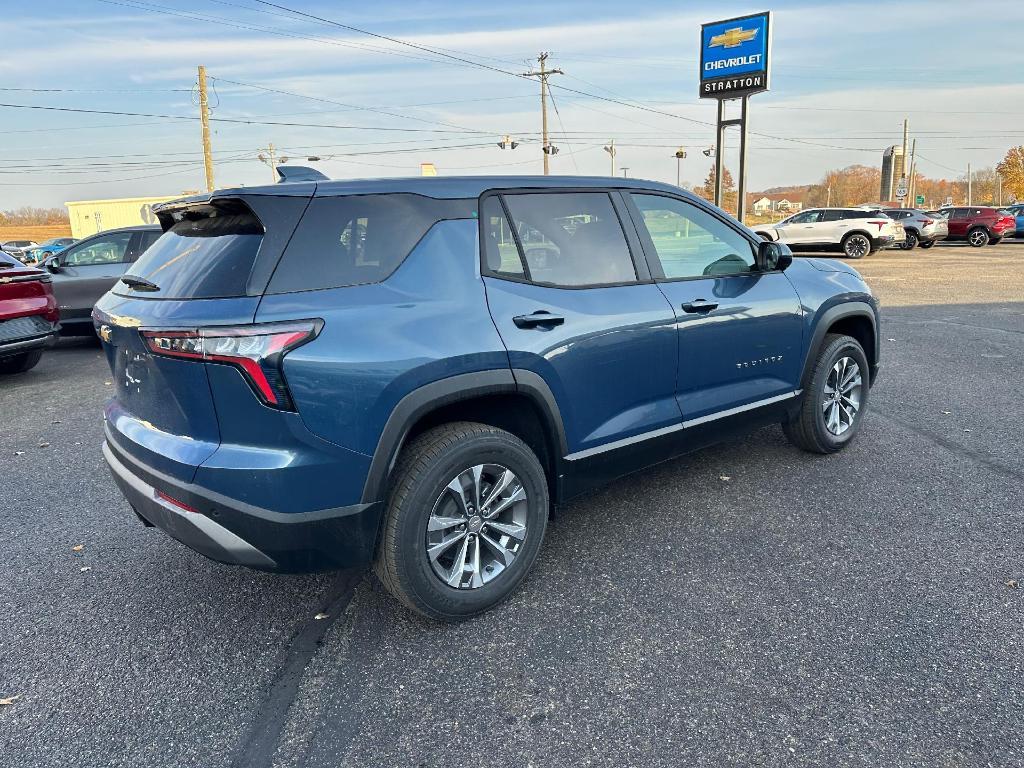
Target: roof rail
x,y
289,173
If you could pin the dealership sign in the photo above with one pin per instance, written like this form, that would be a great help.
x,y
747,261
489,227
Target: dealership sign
x,y
734,56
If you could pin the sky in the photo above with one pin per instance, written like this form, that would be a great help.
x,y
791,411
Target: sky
x,y
844,77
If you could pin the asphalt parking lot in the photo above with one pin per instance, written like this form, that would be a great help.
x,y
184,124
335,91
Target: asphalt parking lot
x,y
747,605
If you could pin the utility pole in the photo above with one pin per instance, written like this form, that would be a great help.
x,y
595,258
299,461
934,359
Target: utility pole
x,y
906,133
543,74
610,149
911,186
204,118
829,203
271,159
970,196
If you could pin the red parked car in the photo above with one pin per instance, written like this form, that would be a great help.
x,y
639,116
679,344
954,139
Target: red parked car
x,y
29,319
977,225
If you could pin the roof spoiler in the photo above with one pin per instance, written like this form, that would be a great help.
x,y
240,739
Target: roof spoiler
x,y
289,173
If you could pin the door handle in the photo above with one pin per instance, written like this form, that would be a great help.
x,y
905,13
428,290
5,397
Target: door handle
x,y
538,319
700,305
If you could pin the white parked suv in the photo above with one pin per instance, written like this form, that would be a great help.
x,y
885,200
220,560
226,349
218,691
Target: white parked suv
x,y
921,229
856,231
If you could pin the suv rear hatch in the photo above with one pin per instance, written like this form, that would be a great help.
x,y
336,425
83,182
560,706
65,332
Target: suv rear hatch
x,y
189,301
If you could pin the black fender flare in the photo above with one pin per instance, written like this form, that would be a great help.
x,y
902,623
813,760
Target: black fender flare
x,y
830,316
465,386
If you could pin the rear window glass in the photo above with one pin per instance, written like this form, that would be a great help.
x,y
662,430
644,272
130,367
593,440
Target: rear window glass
x,y
359,239
207,254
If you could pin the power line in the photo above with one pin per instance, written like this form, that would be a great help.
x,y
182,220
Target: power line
x,y
239,121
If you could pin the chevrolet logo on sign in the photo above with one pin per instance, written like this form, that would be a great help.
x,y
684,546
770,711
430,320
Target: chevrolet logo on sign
x,y
733,38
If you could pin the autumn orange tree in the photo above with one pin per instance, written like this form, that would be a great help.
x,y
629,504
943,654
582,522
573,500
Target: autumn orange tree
x,y
729,195
1012,171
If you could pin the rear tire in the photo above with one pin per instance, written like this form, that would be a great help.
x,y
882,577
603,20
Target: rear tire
x,y
927,244
856,246
978,237
25,361
825,423
465,573
911,242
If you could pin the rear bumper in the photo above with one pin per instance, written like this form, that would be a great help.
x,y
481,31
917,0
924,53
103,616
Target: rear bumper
x,y
17,346
234,532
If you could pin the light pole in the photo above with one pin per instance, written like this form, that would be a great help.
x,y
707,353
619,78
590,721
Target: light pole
x,y
680,155
625,172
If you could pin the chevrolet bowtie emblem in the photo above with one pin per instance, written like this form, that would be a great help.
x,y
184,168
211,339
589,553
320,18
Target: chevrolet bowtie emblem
x,y
733,38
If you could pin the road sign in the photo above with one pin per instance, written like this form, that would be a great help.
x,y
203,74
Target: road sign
x,y
734,56
901,188
919,200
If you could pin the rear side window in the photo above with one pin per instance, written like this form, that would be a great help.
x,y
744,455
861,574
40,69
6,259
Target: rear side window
x,y
571,239
358,239
207,253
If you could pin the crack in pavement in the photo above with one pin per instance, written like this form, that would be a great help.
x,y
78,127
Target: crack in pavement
x,y
257,748
953,446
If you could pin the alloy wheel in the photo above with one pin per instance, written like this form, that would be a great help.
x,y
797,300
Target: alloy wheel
x,y
857,247
978,237
842,397
477,526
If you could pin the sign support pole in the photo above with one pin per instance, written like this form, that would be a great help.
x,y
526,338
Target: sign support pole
x,y
741,204
718,152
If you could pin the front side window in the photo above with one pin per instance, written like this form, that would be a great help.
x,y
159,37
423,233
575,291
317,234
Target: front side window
x,y
109,249
807,217
571,239
691,242
500,248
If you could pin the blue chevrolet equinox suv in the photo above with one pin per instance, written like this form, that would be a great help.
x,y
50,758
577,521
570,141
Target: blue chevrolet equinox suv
x,y
412,372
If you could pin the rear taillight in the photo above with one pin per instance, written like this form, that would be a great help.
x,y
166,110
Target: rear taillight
x,y
880,224
927,222
256,350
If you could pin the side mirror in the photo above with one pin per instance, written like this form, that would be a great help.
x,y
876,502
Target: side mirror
x,y
772,256
53,265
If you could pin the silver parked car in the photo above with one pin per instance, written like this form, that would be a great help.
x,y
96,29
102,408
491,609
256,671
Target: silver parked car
x,y
83,272
922,228
18,248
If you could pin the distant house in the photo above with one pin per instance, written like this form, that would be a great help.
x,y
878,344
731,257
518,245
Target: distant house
x,y
776,202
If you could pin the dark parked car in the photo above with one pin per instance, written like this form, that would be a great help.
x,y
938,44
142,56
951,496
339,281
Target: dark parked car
x,y
28,315
978,225
411,372
86,270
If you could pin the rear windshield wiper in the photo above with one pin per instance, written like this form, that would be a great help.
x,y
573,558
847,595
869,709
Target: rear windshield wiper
x,y
139,283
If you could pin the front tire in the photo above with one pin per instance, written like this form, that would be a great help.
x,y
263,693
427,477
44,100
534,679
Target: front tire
x,y
856,246
20,363
978,237
834,399
465,518
995,241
